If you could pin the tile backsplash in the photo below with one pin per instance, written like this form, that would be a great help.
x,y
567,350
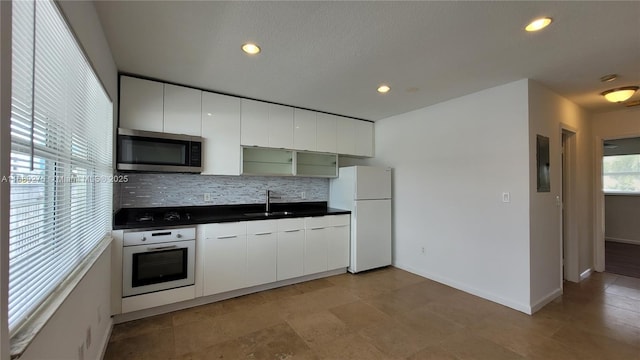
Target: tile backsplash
x,y
156,190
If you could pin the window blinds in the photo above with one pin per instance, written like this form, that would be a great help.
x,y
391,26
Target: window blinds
x,y
61,157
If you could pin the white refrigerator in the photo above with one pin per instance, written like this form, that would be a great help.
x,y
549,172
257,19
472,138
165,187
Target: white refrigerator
x,y
366,192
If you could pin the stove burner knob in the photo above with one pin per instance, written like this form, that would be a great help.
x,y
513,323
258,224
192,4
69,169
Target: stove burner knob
x,y
144,238
178,236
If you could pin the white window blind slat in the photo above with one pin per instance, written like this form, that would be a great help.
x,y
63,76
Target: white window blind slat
x,y
60,114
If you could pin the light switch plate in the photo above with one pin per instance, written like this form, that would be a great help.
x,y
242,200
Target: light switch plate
x,y
506,197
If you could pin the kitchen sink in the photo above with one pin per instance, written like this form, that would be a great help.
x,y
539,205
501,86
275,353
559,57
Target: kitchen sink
x,y
271,213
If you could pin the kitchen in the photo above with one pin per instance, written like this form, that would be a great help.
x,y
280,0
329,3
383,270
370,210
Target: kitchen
x,y
266,140
390,150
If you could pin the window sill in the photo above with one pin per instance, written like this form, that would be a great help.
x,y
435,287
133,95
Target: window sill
x,y
24,335
621,194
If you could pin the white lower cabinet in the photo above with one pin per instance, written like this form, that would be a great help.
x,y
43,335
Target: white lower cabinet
x,y
243,254
290,248
326,245
315,250
225,257
261,251
338,235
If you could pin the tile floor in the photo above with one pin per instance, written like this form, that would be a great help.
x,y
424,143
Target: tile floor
x,y
392,314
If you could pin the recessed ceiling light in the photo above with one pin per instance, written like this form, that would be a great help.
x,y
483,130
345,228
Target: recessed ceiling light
x,y
383,89
250,48
538,24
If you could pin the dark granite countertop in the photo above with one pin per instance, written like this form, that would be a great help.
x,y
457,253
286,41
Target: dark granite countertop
x,y
128,218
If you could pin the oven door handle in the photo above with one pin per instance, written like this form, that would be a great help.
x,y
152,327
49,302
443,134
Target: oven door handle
x,y
162,247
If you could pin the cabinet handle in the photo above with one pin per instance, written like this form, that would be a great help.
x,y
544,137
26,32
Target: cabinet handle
x,y
292,230
228,237
339,226
264,233
162,247
318,228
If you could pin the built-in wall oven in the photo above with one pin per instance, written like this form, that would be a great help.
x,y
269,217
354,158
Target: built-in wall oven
x,y
157,260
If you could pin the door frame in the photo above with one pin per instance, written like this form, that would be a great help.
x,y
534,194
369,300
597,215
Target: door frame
x,y
598,198
569,244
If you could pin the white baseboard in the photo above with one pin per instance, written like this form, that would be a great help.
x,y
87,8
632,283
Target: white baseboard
x,y
105,340
624,241
469,289
545,300
585,274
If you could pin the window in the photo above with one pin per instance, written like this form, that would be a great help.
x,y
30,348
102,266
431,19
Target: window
x,y
61,162
621,173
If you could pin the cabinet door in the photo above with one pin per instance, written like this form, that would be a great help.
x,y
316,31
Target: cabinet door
x,y
290,254
315,251
304,130
280,126
345,135
326,133
265,161
182,110
338,246
141,104
221,133
261,258
364,138
316,164
225,258
255,125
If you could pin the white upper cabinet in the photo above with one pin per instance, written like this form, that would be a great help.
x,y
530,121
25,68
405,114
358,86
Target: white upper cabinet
x,y
182,110
364,138
155,106
304,130
281,126
326,133
254,123
345,135
141,104
235,122
266,125
221,134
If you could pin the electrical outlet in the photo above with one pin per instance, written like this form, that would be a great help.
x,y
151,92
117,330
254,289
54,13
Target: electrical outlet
x,y
303,195
207,197
422,250
87,341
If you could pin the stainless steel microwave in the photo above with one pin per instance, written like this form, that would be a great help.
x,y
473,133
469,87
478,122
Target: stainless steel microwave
x,y
158,152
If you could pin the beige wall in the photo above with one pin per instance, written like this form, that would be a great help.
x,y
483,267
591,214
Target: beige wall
x,y
622,218
87,307
549,113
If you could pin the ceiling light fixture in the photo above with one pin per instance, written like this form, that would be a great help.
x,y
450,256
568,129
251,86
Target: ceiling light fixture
x,y
250,48
619,94
383,89
538,24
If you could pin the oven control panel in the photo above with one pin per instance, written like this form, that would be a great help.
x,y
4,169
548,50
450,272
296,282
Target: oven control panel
x,y
158,236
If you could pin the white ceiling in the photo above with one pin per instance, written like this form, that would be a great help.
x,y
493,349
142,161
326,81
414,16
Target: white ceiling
x,y
331,56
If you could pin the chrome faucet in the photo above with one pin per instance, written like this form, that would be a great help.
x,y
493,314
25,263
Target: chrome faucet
x,y
268,201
